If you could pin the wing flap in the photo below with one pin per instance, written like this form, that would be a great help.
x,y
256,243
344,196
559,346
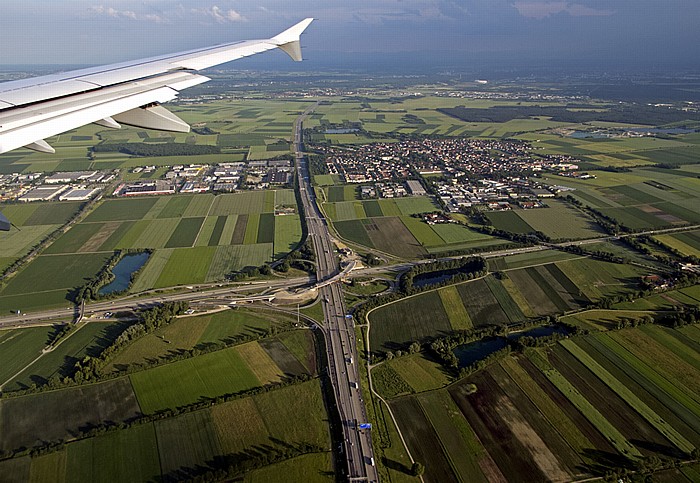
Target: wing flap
x,y
153,117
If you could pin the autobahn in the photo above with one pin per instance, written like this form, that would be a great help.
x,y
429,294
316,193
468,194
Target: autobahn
x,y
338,329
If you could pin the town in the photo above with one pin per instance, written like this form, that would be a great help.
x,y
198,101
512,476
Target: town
x,y
462,173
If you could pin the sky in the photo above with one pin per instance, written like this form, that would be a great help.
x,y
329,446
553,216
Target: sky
x,y
636,32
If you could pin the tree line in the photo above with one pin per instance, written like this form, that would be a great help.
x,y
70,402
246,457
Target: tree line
x,y
157,149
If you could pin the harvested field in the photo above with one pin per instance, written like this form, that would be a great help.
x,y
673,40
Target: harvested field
x,y
23,420
423,440
392,236
484,411
260,362
288,365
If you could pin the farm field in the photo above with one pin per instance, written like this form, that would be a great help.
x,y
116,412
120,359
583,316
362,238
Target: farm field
x,y
24,423
543,288
19,347
557,221
175,447
261,128
88,339
196,238
413,373
391,229
227,371
688,243
563,413
644,198
289,350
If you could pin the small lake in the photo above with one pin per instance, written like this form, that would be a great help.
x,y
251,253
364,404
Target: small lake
x,y
588,135
468,354
122,272
340,131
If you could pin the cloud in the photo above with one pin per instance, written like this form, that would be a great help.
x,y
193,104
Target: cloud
x,y
124,14
221,16
541,10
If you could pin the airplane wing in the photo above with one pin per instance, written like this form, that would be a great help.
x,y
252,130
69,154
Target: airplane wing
x,y
128,93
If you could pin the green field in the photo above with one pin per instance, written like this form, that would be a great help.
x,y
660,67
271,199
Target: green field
x,y
287,234
19,347
122,209
186,265
177,222
102,458
396,325
177,447
50,274
185,382
86,340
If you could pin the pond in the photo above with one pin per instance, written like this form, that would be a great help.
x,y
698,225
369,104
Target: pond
x,y
122,272
468,354
588,135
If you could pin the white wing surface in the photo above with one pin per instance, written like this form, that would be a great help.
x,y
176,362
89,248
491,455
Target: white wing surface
x,y
128,93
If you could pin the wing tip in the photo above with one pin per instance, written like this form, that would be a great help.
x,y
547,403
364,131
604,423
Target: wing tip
x,y
292,33
288,40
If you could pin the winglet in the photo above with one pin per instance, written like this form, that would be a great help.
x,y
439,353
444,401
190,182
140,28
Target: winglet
x,y
289,39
